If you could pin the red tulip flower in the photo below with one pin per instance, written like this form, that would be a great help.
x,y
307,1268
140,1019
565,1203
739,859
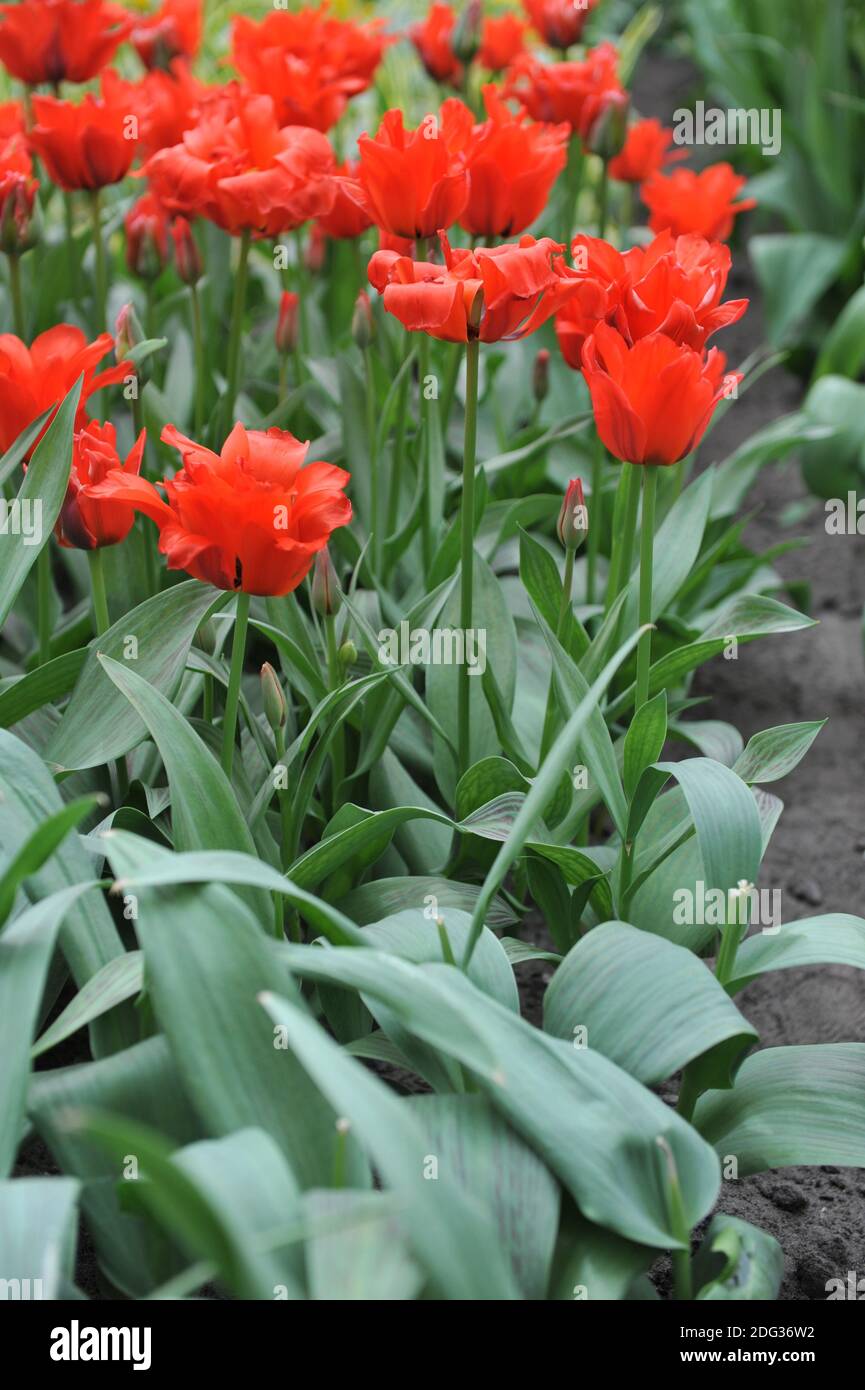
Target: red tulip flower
x,y
512,164
674,286
496,294
414,182
237,168
11,119
503,39
146,225
652,402
703,203
645,151
167,105
350,214
87,522
252,518
433,39
53,41
174,31
559,23
309,63
88,145
17,194
36,379
288,322
579,93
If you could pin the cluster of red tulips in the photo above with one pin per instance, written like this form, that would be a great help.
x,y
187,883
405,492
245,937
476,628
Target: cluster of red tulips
x,y
254,157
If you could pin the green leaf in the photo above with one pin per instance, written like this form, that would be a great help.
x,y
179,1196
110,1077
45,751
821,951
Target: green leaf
x,y
43,686
543,584
832,466
793,273
26,945
833,939
206,961
472,1142
452,1238
88,936
387,896
545,1088
360,1253
644,741
843,350
205,814
650,1006
121,979
43,490
19,450
38,1229
737,1262
159,633
791,1106
774,753
30,858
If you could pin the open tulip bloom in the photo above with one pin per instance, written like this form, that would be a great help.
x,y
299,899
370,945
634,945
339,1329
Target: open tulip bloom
x,y
302,761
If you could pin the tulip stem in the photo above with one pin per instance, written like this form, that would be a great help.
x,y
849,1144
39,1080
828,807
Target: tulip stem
x,y
337,752
374,480
573,187
17,300
647,547
198,341
427,523
237,311
43,601
624,530
595,528
101,618
101,268
232,699
603,199
564,609
395,491
467,549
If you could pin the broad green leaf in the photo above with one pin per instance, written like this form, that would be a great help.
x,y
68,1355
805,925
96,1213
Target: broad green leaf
x,y
833,939
26,945
793,273
153,641
39,499
774,753
644,741
791,1106
390,895
38,1229
452,1238
737,1262
593,1264
413,936
650,1006
119,980
833,465
43,686
363,1257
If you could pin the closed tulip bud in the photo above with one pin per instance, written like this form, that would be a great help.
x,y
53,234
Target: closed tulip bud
x,y
609,132
467,34
275,709
326,593
19,218
128,332
288,322
347,654
573,523
541,376
187,257
362,323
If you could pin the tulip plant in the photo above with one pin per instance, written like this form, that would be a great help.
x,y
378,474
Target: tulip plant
x,y
362,539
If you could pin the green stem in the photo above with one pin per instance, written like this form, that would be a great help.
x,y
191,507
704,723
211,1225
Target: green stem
x,y
43,601
593,548
573,186
395,490
374,480
17,300
69,218
624,530
467,549
337,754
647,547
232,699
198,341
237,312
678,1226
101,267
427,519
603,199
689,1094
101,618
564,609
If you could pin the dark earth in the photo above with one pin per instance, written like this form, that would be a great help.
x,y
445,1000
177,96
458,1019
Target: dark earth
x,y
816,854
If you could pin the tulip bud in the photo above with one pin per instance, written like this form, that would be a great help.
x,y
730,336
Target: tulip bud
x,y
187,257
288,322
610,130
275,708
466,39
573,523
316,249
128,332
347,654
326,593
541,376
19,218
362,323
